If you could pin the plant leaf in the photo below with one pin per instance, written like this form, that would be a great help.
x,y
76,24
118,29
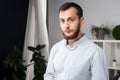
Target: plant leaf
x,y
31,48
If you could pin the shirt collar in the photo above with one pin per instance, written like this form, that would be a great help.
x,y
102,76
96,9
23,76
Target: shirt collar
x,y
78,42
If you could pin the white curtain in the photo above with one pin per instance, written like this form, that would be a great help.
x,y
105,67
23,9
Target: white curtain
x,y
36,32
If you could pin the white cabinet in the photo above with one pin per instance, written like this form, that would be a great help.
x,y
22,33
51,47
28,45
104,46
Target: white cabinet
x,y
112,51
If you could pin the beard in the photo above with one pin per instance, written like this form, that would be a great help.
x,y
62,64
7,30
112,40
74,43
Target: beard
x,y
74,35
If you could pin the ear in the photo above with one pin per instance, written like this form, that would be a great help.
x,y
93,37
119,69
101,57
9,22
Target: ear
x,y
81,21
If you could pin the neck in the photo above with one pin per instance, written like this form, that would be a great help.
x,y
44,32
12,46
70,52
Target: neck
x,y
71,41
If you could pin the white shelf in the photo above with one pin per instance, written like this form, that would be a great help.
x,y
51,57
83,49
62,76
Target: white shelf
x,y
114,68
112,50
106,40
117,67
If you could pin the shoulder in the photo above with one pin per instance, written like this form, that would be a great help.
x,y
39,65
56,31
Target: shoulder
x,y
93,48
96,51
87,43
57,46
90,44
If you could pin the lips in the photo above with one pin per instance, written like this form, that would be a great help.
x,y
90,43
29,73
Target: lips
x,y
67,30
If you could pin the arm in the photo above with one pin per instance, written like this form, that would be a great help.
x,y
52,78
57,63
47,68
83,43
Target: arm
x,y
50,73
99,68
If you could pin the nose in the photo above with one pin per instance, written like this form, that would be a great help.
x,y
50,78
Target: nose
x,y
66,24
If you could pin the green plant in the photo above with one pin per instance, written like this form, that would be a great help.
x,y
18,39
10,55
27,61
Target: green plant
x,y
99,31
12,66
95,29
116,32
39,61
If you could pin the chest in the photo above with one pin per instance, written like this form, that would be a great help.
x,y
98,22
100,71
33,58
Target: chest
x,y
72,61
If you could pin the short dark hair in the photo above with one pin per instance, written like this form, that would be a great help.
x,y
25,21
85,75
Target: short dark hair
x,y
71,4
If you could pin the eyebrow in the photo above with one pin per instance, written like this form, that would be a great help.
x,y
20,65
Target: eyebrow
x,y
68,18
71,18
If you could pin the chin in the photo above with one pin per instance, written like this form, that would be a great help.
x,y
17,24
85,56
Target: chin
x,y
69,37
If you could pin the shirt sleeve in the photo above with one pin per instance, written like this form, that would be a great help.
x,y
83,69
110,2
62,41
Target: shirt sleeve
x,y
99,67
50,73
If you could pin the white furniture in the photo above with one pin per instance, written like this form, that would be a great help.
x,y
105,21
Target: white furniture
x,y
112,51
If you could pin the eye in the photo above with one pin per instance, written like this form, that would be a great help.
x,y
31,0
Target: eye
x,y
71,20
62,21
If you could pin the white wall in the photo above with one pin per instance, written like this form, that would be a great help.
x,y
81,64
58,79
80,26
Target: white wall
x,y
96,12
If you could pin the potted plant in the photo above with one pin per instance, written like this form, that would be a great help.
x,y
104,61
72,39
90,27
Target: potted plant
x,y
99,31
116,32
12,66
39,61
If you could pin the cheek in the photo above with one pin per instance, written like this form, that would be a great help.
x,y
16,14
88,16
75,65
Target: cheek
x,y
75,26
61,27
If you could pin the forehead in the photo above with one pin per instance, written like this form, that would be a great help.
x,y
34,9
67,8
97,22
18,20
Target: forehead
x,y
71,12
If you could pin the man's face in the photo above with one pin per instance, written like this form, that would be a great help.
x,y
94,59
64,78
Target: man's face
x,y
70,23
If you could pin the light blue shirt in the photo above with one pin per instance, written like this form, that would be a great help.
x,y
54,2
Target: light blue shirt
x,y
84,61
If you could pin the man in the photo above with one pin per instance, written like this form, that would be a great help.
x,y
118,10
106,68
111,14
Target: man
x,y
75,57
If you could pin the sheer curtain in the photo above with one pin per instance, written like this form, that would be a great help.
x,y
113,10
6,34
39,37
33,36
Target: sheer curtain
x,y
36,32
